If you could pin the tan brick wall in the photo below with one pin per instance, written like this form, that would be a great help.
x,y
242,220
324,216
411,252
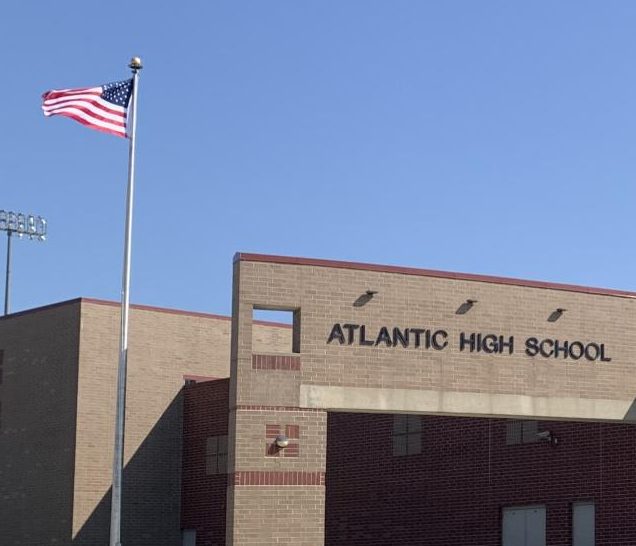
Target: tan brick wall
x,y
418,380
163,347
251,442
326,296
279,515
59,378
37,425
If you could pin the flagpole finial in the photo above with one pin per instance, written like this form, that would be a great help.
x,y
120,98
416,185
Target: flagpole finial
x,y
135,64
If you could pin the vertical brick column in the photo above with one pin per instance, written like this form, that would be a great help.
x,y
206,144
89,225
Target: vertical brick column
x,y
275,496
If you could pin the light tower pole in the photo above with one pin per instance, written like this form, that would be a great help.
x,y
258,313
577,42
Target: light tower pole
x,y
24,225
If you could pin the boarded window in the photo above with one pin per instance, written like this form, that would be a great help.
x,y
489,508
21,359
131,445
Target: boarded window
x,y
583,524
523,526
216,455
407,435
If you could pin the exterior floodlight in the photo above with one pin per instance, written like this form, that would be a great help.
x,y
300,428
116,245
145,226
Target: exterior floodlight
x,y
33,227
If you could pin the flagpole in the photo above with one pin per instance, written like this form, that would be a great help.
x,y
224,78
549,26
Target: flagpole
x,y
118,457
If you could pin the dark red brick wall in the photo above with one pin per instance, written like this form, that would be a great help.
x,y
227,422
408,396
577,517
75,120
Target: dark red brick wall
x,y
205,413
453,492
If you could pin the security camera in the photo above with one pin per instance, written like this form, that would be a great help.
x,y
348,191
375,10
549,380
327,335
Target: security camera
x,y
547,436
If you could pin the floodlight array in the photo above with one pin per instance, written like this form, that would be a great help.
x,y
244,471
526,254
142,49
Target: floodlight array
x,y
23,225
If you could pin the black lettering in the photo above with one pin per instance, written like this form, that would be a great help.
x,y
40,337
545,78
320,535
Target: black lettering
x,y
351,329
575,355
489,344
463,341
542,348
506,344
603,357
363,338
417,332
558,348
436,344
384,337
532,347
336,333
402,337
588,354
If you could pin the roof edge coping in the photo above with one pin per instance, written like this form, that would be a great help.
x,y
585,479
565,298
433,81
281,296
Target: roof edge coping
x,y
337,264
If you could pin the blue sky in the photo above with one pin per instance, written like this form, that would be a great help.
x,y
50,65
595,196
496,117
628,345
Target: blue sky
x,y
493,137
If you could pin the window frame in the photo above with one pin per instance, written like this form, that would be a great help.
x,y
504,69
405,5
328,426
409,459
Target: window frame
x,y
407,435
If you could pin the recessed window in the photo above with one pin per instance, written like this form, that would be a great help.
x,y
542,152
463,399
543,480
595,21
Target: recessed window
x,y
216,455
521,432
407,435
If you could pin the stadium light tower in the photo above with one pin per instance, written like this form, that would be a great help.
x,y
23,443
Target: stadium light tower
x,y
23,225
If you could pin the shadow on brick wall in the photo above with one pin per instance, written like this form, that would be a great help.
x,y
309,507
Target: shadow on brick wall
x,y
151,496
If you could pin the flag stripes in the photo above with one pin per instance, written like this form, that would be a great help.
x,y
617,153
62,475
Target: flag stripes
x,y
103,108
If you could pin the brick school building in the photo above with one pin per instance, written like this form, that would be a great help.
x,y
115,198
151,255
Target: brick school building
x,y
395,406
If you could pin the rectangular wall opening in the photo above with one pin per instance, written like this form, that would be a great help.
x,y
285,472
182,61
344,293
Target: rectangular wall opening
x,y
284,339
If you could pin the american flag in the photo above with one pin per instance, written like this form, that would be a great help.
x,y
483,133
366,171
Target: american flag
x,y
103,108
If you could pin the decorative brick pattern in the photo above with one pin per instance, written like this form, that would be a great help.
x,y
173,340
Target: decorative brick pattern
x,y
259,477
285,363
248,407
271,431
291,431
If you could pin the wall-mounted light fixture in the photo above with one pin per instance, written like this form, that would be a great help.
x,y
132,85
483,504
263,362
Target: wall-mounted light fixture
x,y
547,436
365,298
556,314
465,307
281,441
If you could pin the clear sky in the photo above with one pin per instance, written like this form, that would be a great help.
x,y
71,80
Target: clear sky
x,y
493,136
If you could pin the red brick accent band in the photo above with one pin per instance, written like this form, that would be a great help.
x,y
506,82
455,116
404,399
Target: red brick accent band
x,y
260,477
248,407
291,431
288,260
276,362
